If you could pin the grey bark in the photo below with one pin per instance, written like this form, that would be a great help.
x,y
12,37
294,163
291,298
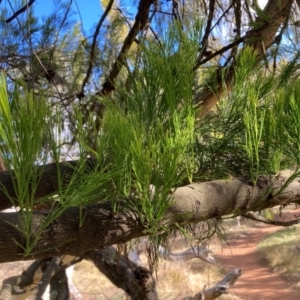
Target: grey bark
x,y
101,227
220,288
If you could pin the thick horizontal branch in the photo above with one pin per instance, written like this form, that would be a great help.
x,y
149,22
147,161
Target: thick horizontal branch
x,y
101,227
51,176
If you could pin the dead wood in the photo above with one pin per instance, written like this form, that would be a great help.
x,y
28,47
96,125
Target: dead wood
x,y
220,288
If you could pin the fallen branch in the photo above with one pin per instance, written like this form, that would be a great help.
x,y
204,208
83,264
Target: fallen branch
x,y
33,283
220,288
51,270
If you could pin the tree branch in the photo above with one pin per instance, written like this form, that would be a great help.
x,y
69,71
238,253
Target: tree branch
x,y
135,280
256,217
207,31
141,20
94,43
258,39
102,227
21,10
49,180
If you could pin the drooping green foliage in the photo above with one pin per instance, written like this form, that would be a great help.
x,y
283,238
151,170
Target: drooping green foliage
x,y
149,140
254,130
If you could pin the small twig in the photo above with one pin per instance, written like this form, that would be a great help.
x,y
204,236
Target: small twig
x,y
124,17
155,35
254,216
162,12
248,11
94,43
222,16
21,10
207,31
62,23
220,51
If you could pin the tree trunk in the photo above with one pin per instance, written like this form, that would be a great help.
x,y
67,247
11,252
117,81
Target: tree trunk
x,y
135,280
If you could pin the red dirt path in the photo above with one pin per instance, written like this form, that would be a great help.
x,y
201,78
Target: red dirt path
x,y
257,282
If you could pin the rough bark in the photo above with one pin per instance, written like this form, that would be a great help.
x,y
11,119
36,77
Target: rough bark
x,y
220,288
101,228
48,181
135,280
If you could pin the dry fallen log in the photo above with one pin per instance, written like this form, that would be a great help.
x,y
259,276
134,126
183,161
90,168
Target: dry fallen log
x,y
220,288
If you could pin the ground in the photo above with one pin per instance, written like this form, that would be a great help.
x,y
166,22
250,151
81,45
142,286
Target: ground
x,y
257,281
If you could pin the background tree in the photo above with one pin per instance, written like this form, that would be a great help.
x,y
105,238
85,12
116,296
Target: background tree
x,y
140,119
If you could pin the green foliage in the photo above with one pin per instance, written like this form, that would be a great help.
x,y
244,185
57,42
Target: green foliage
x,y
255,129
151,137
28,123
23,120
149,142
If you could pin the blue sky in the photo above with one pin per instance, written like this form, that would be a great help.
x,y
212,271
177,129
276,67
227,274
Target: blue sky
x,y
90,10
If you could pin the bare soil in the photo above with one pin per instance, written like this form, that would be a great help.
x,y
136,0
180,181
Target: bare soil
x,y
257,282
